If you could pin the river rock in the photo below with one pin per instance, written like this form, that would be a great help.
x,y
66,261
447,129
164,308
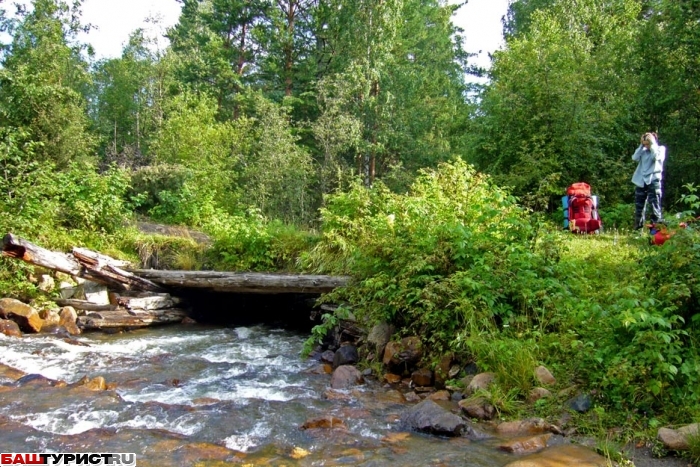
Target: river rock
x,y
326,423
10,373
480,381
526,427
46,283
581,403
422,377
346,376
442,395
24,315
428,416
677,440
10,328
478,408
562,456
391,378
544,376
345,355
537,394
405,353
96,384
38,380
68,320
379,336
525,444
328,356
50,318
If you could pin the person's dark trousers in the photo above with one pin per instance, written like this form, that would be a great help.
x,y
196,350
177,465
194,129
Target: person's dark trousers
x,y
649,194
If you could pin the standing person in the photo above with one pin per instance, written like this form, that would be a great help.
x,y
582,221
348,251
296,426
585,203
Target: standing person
x,y
647,178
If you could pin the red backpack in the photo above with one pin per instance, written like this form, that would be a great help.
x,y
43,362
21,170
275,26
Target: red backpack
x,y
581,209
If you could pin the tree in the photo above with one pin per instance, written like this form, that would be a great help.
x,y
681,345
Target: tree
x,y
43,81
216,45
559,104
129,94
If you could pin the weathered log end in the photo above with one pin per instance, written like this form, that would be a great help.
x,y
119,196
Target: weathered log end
x,y
12,248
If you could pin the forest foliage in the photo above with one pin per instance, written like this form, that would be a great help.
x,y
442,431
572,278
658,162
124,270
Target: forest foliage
x,y
343,136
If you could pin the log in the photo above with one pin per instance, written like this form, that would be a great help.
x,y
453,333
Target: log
x,y
152,302
15,247
124,319
82,263
84,305
245,282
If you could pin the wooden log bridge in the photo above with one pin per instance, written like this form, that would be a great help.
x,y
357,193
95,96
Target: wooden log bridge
x,y
246,282
136,298
116,274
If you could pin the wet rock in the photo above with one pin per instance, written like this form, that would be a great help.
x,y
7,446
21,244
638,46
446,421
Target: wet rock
x,y
328,356
440,396
10,328
428,416
581,403
537,394
326,423
36,380
392,378
333,395
456,396
205,401
10,373
50,318
391,397
190,454
96,384
188,320
562,456
678,440
478,408
480,381
405,353
320,369
345,355
345,377
422,377
525,444
24,315
544,376
412,397
68,320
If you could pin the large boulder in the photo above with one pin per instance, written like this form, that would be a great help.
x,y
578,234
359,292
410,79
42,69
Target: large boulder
x,y
429,417
24,315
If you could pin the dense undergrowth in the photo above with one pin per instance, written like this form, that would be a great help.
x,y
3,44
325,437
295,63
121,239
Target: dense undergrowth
x,y
455,260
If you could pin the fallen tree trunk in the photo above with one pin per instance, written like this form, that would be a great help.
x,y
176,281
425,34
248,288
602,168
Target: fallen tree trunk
x,y
245,282
126,319
80,263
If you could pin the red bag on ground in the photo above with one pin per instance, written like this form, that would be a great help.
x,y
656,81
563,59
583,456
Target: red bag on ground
x,y
582,209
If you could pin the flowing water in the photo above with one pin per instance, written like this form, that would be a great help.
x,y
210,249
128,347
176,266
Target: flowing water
x,y
204,395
